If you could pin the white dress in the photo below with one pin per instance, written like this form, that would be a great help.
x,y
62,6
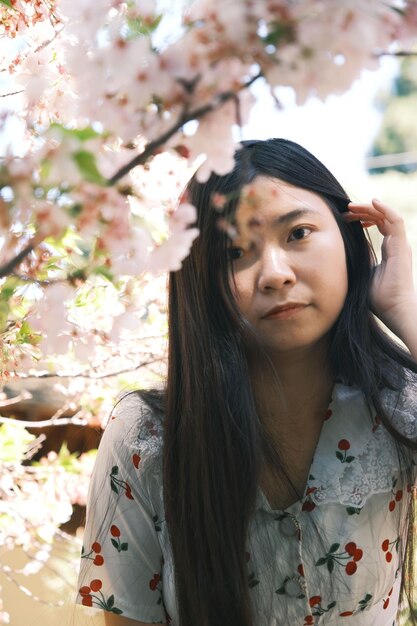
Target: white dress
x,y
332,558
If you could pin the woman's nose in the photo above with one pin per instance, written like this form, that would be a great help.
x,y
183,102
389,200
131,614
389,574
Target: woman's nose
x,y
275,269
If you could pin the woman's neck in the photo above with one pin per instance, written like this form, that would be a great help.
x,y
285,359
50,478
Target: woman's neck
x,y
298,394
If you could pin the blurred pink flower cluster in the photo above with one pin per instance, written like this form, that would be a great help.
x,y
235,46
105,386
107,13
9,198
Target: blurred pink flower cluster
x,y
24,14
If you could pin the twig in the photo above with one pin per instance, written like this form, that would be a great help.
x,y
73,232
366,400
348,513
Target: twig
x,y
41,283
25,395
183,119
65,421
400,53
9,267
89,375
12,93
7,571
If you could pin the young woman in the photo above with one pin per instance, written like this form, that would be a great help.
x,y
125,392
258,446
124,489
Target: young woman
x,y
270,482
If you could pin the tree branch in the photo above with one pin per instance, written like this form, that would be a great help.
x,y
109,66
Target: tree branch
x,y
152,146
9,267
64,421
12,93
400,53
93,376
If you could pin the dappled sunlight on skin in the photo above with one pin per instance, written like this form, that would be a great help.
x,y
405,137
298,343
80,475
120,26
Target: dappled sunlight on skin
x,y
288,250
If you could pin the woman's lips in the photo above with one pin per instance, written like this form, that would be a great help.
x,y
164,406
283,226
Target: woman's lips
x,y
285,312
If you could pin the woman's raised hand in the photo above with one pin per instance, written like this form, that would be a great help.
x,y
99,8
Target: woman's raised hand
x,y
393,297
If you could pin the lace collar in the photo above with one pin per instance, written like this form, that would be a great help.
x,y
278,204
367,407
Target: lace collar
x,y
355,456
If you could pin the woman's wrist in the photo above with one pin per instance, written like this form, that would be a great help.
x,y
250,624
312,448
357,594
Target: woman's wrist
x,y
407,329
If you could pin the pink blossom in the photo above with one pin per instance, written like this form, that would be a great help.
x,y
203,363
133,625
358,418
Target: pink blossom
x,y
214,132
36,75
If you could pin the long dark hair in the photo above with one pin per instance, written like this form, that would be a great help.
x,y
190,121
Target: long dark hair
x,y
214,441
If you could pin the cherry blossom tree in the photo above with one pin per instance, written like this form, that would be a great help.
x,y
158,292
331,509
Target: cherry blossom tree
x,y
116,113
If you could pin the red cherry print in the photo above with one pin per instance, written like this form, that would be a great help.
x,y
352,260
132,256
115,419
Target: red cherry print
x,y
346,614
351,568
98,560
385,545
96,585
377,421
350,548
391,505
85,591
87,601
390,591
154,582
314,600
300,569
308,506
115,531
343,444
308,620
136,460
328,414
357,555
386,603
399,495
388,557
96,547
129,493
311,490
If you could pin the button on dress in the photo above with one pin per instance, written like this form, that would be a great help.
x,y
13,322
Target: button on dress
x,y
332,558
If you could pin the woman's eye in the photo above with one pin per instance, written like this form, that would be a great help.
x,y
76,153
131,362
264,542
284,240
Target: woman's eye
x,y
300,233
235,253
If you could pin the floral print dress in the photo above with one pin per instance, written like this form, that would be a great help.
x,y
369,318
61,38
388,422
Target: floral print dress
x,y
332,558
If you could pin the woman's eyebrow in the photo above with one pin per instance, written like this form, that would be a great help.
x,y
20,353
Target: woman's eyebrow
x,y
292,215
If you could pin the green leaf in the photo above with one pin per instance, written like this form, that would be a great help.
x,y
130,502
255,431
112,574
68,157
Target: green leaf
x,y
114,487
339,455
4,315
117,611
114,470
14,441
103,270
7,3
86,163
366,598
334,547
279,33
321,561
82,134
75,209
349,459
27,335
115,544
139,28
110,601
351,510
330,565
8,288
68,460
331,605
123,547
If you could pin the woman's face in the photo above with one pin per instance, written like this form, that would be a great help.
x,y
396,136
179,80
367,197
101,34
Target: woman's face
x,y
289,264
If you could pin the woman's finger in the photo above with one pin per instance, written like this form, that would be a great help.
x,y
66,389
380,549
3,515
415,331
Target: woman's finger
x,y
379,209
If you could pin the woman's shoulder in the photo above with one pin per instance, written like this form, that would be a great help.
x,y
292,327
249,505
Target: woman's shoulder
x,y
400,402
136,424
